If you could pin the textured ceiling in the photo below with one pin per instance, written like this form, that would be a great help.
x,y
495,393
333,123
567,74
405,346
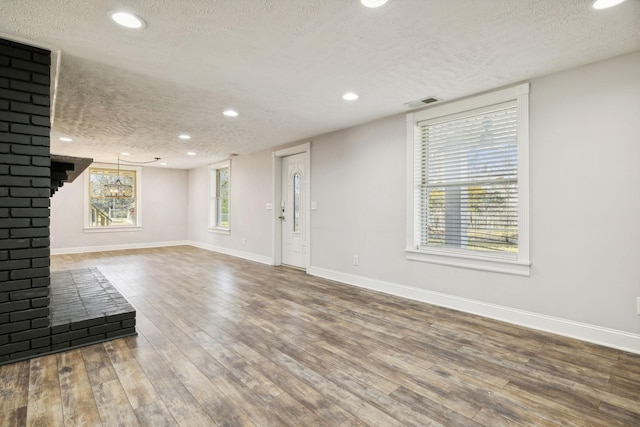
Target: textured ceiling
x,y
284,64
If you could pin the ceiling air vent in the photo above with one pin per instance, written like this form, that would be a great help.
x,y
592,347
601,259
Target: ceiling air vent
x,y
422,102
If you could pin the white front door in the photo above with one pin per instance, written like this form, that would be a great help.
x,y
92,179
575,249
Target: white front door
x,y
292,210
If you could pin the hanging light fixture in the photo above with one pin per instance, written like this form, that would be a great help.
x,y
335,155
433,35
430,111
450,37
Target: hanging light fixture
x,y
118,190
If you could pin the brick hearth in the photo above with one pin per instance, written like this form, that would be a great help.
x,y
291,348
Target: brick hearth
x,y
86,308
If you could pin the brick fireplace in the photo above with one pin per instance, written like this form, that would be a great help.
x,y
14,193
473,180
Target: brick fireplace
x,y
27,180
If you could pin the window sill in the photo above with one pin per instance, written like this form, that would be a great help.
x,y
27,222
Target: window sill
x,y
496,265
218,230
112,229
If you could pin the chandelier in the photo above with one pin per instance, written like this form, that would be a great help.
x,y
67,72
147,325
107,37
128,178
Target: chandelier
x,y
117,189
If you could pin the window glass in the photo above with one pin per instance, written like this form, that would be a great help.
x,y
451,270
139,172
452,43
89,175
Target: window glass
x,y
112,197
470,181
222,198
219,189
296,202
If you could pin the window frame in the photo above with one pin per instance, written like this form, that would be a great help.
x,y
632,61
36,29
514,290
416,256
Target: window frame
x,y
476,260
137,193
213,197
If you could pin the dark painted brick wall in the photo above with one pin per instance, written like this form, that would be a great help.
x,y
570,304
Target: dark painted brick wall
x,y
24,201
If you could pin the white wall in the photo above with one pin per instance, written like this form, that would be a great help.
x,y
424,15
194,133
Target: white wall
x,y
250,222
585,207
585,216
164,214
585,140
358,181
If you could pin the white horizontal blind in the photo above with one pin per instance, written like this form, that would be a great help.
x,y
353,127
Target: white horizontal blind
x,y
467,176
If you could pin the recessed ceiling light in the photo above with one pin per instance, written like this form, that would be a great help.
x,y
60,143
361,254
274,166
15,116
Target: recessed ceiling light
x,y
230,113
184,136
125,154
163,164
65,139
605,4
190,153
126,19
350,96
373,3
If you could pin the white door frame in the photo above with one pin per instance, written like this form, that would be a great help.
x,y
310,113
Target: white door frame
x,y
276,177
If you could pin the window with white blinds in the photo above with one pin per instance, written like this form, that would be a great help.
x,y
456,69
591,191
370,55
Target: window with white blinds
x,y
468,174
466,189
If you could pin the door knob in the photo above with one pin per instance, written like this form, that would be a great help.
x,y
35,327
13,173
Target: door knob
x,y
281,217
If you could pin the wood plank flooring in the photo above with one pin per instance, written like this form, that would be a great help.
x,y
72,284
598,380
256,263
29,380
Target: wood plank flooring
x,y
228,342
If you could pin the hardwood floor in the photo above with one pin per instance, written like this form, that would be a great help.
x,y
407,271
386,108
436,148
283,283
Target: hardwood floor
x,y
228,342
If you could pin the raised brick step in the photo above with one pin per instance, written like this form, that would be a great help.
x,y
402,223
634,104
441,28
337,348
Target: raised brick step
x,y
86,308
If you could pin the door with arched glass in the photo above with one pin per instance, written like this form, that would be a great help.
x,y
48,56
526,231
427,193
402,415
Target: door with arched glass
x,y
294,194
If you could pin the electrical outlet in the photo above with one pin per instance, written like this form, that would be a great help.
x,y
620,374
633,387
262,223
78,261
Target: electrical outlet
x,y
356,260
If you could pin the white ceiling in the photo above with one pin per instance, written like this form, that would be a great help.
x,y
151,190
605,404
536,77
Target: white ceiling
x,y
284,64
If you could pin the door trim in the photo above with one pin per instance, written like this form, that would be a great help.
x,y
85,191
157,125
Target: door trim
x,y
276,179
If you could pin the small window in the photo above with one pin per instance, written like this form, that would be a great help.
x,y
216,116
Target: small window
x,y
469,190
220,181
113,197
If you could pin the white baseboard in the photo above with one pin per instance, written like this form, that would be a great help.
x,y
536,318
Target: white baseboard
x,y
621,340
238,254
104,248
